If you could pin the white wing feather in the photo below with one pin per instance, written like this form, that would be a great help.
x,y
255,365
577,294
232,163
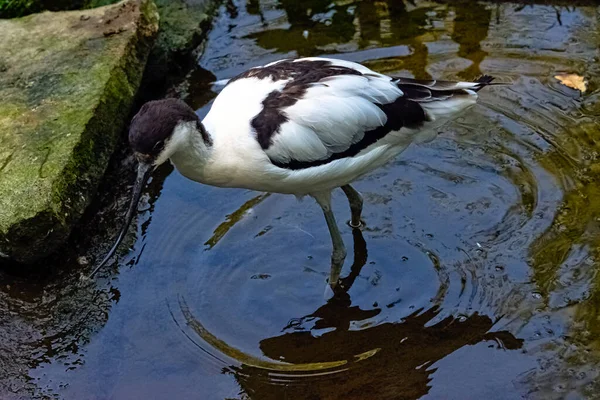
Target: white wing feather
x,y
299,142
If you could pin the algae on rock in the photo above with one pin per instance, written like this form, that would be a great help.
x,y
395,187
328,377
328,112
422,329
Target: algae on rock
x,y
67,86
182,27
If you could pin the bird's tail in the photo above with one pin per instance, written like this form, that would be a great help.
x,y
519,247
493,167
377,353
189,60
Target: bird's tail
x,y
426,88
485,80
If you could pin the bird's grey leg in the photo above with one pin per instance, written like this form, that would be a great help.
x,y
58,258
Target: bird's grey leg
x,y
339,250
356,205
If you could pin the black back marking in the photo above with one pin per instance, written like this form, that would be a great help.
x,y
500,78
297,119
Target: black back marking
x,y
302,71
154,123
303,74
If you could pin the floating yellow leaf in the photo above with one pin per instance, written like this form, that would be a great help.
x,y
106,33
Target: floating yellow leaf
x,y
573,81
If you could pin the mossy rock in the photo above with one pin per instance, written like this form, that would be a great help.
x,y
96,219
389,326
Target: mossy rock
x,y
180,22
67,85
182,26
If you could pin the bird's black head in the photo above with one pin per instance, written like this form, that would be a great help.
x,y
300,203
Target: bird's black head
x,y
154,125
154,138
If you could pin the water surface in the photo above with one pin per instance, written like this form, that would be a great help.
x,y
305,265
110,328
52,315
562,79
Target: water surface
x,y
475,276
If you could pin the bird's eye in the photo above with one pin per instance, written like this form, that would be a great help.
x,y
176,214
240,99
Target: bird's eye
x,y
158,145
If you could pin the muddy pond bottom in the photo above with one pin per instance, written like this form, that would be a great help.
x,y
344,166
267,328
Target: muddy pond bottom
x,y
475,276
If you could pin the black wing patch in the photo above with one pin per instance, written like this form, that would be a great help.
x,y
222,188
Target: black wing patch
x,y
301,71
401,113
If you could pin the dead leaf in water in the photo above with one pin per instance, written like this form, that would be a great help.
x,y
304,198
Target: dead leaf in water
x,y
573,81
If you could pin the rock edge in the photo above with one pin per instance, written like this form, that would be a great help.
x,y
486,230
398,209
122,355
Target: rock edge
x,y
67,85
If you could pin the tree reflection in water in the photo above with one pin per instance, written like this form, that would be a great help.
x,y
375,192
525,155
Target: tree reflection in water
x,y
321,26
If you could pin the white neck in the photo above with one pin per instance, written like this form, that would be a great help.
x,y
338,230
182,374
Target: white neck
x,y
189,150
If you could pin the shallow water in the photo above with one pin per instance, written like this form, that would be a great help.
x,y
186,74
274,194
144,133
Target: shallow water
x,y
474,278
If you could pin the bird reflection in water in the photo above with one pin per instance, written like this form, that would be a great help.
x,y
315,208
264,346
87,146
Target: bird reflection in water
x,y
386,361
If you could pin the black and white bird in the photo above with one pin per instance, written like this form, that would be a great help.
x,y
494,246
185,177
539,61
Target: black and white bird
x,y
303,127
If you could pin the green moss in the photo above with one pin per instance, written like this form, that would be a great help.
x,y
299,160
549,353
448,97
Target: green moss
x,y
178,25
181,30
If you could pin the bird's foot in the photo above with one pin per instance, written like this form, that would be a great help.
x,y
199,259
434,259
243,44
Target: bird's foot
x,y
334,290
329,293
